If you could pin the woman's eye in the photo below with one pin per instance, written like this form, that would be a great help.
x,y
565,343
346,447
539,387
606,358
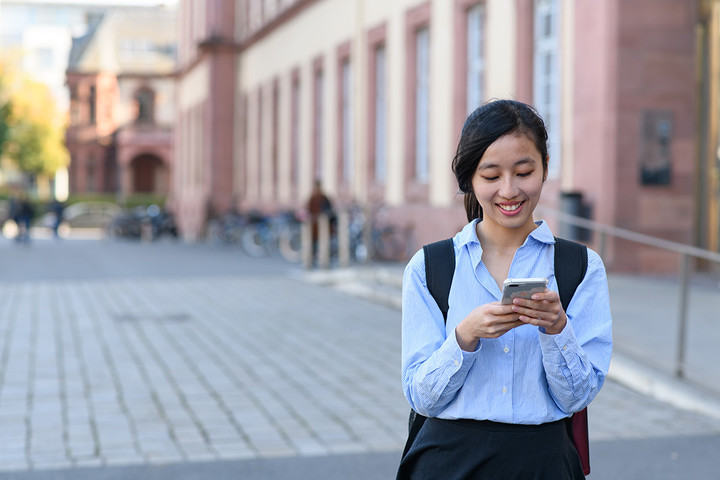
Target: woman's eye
x,y
525,174
491,179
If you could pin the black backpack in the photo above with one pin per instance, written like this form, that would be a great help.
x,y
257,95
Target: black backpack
x,y
570,267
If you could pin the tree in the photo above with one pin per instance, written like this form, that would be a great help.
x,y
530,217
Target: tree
x,y
4,113
34,130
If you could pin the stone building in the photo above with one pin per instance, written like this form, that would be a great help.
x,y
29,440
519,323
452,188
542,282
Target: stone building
x,y
122,103
369,96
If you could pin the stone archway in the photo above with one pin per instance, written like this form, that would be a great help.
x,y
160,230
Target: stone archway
x,y
149,174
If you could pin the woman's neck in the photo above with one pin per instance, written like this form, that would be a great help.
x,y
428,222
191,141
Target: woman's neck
x,y
496,238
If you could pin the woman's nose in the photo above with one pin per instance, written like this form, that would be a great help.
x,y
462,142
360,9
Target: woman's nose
x,y
508,188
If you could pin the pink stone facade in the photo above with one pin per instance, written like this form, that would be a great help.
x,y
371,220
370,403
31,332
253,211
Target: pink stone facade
x,y
205,141
643,59
630,108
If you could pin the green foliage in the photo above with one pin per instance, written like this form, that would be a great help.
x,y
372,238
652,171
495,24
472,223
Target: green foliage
x,y
32,127
4,114
133,200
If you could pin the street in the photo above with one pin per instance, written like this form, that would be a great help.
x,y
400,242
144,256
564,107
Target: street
x,y
124,360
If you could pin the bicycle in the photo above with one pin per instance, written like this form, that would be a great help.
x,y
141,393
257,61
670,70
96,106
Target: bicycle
x,y
384,241
226,229
267,235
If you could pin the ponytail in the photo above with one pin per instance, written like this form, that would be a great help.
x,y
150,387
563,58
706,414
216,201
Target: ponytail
x,y
473,209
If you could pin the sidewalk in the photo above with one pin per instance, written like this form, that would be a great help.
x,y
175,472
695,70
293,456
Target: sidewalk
x,y
172,361
645,330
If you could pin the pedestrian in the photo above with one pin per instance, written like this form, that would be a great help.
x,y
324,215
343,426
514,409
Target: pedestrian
x,y
57,208
498,381
23,213
319,204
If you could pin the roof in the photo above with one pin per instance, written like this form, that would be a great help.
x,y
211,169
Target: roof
x,y
138,40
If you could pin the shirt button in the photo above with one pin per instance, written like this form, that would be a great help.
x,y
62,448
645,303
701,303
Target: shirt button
x,y
456,363
506,349
504,390
565,348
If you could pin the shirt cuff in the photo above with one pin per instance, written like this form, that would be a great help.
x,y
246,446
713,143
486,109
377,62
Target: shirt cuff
x,y
461,357
560,347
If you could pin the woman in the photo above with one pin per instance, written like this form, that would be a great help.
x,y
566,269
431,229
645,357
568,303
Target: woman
x,y
496,381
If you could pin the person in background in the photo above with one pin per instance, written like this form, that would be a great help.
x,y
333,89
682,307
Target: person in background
x,y
498,381
56,208
317,205
23,216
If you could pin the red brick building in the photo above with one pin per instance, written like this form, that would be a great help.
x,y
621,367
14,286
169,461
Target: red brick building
x,y
122,103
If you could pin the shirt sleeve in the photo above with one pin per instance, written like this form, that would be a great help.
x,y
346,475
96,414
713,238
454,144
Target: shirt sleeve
x,y
576,360
434,366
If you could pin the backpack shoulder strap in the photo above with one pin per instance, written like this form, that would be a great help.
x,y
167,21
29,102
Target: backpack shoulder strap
x,y
439,270
571,259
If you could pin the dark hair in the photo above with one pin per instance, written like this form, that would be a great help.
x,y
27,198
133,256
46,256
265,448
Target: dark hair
x,y
482,127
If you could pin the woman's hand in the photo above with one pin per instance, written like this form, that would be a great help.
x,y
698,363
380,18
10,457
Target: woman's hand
x,y
544,310
486,321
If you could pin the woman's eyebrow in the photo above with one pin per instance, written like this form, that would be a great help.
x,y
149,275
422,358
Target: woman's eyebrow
x,y
522,161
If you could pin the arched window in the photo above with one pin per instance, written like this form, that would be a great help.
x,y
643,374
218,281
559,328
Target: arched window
x,y
145,99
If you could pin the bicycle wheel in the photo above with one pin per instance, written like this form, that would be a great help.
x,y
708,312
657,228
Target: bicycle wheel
x,y
290,243
253,241
233,235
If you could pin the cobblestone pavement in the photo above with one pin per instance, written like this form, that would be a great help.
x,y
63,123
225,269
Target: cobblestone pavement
x,y
217,365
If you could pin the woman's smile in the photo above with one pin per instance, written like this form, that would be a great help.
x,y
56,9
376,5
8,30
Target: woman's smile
x,y
511,209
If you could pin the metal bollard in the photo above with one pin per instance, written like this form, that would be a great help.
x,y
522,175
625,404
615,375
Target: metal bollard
x,y
323,241
343,238
306,241
146,231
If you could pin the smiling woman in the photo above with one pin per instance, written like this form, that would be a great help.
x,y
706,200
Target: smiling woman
x,y
497,381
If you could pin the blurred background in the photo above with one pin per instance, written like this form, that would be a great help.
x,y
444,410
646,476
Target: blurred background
x,y
208,107
323,131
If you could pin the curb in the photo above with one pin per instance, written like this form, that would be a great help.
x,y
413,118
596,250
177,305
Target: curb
x,y
662,386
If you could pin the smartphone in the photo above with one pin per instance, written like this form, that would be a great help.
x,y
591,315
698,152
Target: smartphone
x,y
522,287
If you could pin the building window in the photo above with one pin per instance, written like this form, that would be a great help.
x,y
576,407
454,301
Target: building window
x,y
377,106
295,131
475,82
259,139
319,87
145,99
380,117
91,181
422,103
92,99
346,119
275,130
546,75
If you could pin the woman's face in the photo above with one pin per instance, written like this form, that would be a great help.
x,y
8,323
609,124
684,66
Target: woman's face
x,y
508,181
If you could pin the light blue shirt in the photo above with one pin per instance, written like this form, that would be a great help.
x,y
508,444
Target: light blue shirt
x,y
523,377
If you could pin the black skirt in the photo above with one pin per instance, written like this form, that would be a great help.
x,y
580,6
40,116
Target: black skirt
x,y
479,450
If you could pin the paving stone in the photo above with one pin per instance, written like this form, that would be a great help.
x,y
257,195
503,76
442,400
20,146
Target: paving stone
x,y
191,369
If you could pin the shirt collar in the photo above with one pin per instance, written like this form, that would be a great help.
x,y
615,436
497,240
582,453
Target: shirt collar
x,y
467,240
468,235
